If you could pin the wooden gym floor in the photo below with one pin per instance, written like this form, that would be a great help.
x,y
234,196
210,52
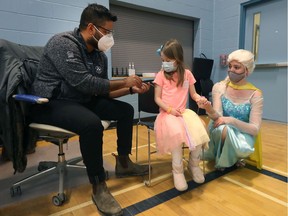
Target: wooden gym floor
x,y
236,191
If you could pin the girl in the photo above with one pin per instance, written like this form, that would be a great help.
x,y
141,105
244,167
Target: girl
x,y
175,124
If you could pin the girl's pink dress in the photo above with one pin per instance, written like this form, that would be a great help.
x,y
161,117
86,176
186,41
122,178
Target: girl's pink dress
x,y
172,131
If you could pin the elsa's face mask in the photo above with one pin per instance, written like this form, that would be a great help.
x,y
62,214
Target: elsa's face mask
x,y
169,66
235,77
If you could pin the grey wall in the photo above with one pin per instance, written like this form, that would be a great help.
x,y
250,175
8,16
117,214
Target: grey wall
x,y
33,22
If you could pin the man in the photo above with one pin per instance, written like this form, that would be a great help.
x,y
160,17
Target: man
x,y
73,75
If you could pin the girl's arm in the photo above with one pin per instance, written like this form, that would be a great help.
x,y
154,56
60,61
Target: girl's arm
x,y
200,100
215,111
161,104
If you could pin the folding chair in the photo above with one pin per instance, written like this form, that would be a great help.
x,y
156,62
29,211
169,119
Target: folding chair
x,y
146,104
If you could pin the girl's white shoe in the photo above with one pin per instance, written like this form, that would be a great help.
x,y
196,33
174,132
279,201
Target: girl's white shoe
x,y
179,181
193,167
196,173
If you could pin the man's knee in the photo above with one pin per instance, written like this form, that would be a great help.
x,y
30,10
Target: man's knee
x,y
128,110
92,126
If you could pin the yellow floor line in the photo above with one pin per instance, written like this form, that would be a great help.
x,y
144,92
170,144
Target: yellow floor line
x,y
257,191
139,147
82,205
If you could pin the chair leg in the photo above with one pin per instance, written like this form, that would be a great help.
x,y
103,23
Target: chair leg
x,y
74,161
16,187
60,167
183,153
137,142
148,183
60,198
203,161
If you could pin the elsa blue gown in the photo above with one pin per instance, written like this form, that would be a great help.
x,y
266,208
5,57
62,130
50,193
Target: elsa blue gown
x,y
237,144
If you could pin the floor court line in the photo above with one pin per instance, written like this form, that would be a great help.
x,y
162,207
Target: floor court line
x,y
210,177
267,172
256,191
170,194
142,146
275,171
82,205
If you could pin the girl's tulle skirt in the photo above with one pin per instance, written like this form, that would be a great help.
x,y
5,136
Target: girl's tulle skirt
x,y
172,131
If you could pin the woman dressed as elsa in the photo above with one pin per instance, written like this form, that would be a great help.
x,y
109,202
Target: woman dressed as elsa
x,y
236,113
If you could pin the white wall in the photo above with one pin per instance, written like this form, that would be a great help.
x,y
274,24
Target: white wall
x,y
33,22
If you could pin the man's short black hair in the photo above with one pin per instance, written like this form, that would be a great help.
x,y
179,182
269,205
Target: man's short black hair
x,y
96,14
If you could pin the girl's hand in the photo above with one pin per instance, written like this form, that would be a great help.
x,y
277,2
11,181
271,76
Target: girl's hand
x,y
175,112
203,103
207,105
201,100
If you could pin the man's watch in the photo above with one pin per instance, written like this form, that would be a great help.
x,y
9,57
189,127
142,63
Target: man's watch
x,y
131,90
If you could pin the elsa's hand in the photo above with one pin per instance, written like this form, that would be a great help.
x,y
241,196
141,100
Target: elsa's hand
x,y
204,104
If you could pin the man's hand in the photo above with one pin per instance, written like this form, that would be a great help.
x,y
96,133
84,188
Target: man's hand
x,y
144,88
132,81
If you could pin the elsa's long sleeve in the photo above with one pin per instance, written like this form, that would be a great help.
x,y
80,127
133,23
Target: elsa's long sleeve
x,y
255,118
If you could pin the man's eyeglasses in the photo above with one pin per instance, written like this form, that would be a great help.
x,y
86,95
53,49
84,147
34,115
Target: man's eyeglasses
x,y
107,31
